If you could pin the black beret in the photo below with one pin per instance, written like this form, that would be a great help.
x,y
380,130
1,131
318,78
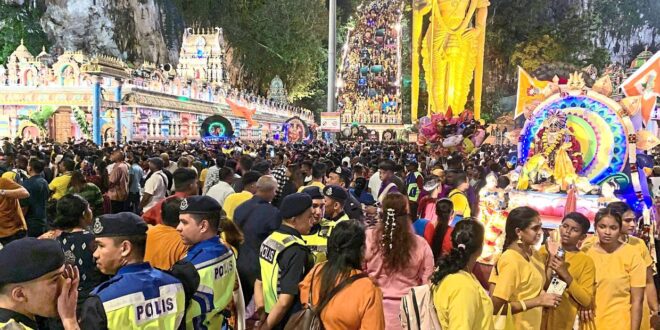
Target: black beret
x,y
335,192
314,192
120,224
199,205
294,205
29,258
344,173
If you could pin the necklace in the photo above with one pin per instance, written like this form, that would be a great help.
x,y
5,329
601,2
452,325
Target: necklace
x,y
550,146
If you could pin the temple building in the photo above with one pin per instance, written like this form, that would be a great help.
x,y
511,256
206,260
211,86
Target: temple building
x,y
81,96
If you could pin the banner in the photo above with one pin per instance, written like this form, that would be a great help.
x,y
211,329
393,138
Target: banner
x,y
529,90
330,121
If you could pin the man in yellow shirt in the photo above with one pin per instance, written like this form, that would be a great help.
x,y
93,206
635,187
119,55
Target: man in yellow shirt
x,y
60,184
249,181
318,173
575,268
459,198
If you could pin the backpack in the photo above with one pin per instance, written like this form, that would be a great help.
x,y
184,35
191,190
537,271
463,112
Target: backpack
x,y
418,311
166,184
309,318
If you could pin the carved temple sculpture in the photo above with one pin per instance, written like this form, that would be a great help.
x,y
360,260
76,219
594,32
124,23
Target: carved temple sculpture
x,y
452,50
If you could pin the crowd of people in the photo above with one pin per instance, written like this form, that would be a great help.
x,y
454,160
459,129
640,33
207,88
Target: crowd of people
x,y
250,235
370,91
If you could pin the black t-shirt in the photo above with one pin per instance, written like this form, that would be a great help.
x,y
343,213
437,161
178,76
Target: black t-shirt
x,y
294,263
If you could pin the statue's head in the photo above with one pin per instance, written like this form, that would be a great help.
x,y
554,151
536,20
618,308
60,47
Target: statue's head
x,y
556,120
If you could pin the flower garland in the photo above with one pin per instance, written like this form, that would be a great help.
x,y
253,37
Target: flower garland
x,y
550,147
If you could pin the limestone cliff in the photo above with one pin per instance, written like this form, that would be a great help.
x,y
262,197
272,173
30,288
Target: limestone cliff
x,y
135,30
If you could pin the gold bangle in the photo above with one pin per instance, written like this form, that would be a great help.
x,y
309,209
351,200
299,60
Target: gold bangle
x,y
524,306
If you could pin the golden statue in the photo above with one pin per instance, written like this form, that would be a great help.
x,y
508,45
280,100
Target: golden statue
x,y
452,52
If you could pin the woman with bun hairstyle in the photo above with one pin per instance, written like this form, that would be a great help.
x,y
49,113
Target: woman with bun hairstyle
x,y
73,218
518,278
620,276
460,301
359,305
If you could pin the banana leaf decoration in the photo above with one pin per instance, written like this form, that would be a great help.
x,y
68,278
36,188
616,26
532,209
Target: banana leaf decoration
x,y
81,120
40,118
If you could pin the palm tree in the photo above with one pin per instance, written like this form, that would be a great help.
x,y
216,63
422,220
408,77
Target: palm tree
x,y
40,118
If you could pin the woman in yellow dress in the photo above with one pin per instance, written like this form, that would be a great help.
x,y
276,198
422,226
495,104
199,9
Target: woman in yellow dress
x,y
459,299
518,278
620,277
628,229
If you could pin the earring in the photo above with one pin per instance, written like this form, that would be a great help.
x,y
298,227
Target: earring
x,y
519,241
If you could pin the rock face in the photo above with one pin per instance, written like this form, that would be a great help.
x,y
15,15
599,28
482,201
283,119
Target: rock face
x,y
134,30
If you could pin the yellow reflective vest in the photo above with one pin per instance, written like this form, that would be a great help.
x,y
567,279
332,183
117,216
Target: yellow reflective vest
x,y
216,266
270,270
318,242
141,297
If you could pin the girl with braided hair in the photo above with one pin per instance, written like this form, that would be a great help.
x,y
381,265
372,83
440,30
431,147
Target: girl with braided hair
x,y
459,300
395,257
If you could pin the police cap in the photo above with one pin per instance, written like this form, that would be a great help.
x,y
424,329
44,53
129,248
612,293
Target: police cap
x,y
29,258
120,224
335,192
295,205
344,173
314,192
199,205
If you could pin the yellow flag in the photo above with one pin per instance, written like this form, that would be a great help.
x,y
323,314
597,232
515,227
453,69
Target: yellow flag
x,y
529,90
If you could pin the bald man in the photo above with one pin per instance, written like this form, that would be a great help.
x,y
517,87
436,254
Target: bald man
x,y
257,218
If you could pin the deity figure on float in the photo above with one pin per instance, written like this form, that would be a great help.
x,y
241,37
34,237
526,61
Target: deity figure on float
x,y
555,152
492,203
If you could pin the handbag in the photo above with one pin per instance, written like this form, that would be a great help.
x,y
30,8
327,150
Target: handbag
x,y
309,318
504,322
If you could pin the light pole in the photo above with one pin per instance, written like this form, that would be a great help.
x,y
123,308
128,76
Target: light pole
x,y
332,53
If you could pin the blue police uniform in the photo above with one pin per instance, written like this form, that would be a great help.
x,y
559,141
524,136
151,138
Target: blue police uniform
x,y
216,265
137,297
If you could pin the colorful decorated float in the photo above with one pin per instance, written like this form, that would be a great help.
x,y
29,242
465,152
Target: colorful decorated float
x,y
581,147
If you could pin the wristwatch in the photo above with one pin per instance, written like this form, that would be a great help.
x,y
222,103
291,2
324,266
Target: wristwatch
x,y
2,192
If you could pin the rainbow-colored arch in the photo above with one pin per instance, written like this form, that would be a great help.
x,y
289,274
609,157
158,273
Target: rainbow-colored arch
x,y
598,128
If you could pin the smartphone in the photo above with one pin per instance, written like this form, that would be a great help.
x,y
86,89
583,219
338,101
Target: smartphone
x,y
557,286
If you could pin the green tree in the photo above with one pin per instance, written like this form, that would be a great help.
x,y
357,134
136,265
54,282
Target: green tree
x,y
40,118
18,23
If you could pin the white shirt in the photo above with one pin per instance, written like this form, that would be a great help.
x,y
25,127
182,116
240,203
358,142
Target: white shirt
x,y
156,186
220,191
374,183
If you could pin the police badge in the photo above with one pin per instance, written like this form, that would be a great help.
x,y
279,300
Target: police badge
x,y
98,228
184,205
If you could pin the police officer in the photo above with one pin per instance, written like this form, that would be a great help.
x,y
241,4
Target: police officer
x,y
342,176
317,240
318,206
284,260
35,282
137,296
199,223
